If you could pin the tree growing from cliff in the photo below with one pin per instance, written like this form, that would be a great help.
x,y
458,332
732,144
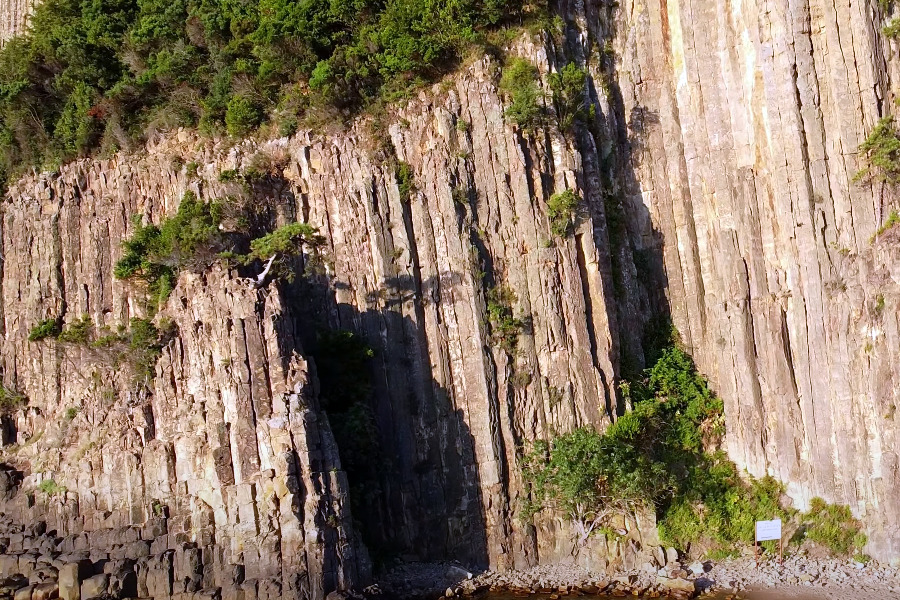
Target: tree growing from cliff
x,y
154,254
881,153
520,83
276,249
562,210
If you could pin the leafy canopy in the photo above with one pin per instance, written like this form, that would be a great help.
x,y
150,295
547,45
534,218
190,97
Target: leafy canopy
x,y
91,73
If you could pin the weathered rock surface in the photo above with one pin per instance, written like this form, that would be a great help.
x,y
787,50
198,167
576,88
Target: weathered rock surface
x,y
744,121
726,148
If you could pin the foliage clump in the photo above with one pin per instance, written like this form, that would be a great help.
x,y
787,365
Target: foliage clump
x,y
51,488
505,327
78,332
834,527
520,83
656,457
48,328
103,74
11,400
881,152
562,209
406,183
892,220
154,254
277,249
568,86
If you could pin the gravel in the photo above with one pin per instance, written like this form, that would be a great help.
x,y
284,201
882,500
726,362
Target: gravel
x,y
798,577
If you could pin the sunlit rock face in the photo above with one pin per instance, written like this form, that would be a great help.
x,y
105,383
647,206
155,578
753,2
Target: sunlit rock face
x,y
717,188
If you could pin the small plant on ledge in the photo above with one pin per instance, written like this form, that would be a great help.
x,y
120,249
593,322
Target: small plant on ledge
x,y
562,210
48,328
881,152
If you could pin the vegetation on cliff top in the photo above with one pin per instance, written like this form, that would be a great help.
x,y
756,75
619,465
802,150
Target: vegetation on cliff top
x,y
104,73
655,457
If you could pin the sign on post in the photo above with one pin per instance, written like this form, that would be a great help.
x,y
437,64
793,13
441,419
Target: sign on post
x,y
768,531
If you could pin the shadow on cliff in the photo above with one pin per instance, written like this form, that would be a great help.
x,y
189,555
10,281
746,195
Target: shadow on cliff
x,y
629,244
407,449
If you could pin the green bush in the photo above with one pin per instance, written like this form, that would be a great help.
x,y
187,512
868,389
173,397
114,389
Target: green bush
x,y
100,73
11,400
562,209
78,332
51,488
406,183
154,254
892,220
505,327
569,88
520,83
834,527
892,29
242,116
48,328
881,152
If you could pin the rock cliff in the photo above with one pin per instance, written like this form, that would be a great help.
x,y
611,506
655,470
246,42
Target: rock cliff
x,y
716,186
746,119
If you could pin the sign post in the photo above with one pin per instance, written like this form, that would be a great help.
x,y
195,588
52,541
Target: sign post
x,y
767,531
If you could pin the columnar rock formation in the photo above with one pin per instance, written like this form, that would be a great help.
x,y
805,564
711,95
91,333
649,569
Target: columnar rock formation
x,y
717,186
748,117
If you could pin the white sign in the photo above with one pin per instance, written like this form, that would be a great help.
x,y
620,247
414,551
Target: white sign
x,y
768,530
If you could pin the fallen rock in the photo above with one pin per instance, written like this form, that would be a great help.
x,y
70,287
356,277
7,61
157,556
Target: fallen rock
x,y
675,584
94,587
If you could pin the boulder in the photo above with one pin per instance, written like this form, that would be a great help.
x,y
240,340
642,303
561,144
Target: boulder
x,y
675,584
24,593
45,591
697,568
95,587
671,555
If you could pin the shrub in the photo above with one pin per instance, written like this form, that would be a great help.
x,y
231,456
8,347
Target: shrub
x,y
51,488
892,220
652,456
562,211
892,29
48,328
155,254
505,327
72,412
834,527
881,152
11,400
242,116
568,87
78,332
520,84
406,183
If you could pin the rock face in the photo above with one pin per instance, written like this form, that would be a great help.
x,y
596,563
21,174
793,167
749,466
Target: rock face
x,y
745,120
716,187
13,14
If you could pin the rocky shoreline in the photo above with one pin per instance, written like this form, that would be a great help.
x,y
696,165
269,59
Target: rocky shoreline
x,y
822,578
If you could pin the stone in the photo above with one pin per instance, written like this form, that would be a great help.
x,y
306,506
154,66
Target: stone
x,y
70,577
697,568
24,593
45,591
671,556
676,584
95,587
